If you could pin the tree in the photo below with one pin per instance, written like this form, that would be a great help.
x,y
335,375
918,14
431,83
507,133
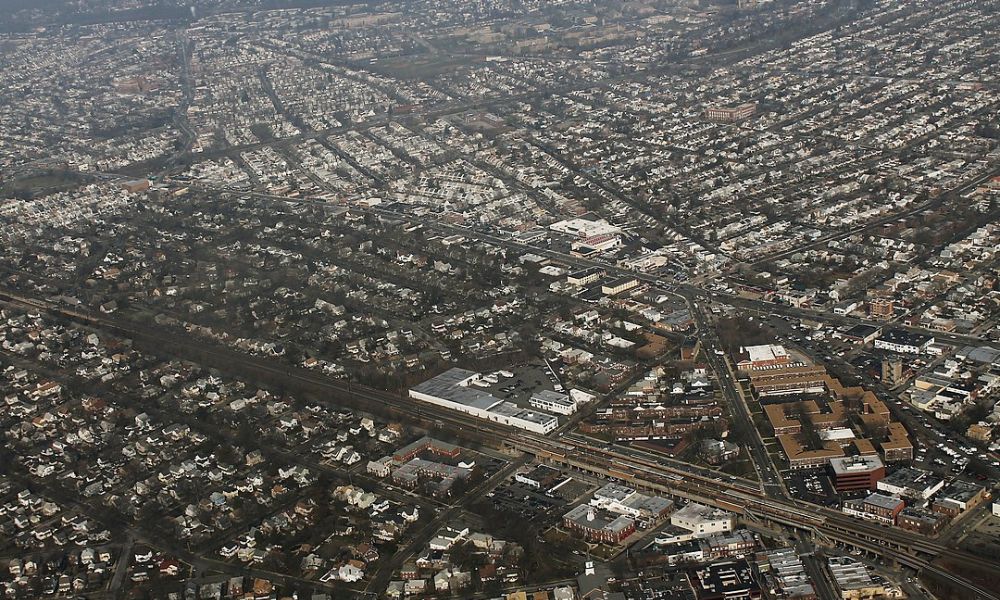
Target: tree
x,y
809,432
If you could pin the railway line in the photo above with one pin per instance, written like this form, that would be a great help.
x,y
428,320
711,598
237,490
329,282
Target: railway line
x,y
573,451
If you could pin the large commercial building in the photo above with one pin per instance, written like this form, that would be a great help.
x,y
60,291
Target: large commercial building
x,y
623,500
599,526
788,380
703,520
552,402
852,579
595,244
862,334
734,580
618,286
766,356
876,507
451,390
903,342
958,497
854,473
915,484
783,567
730,114
584,228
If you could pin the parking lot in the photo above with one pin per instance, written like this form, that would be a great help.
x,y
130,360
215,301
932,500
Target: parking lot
x,y
985,538
534,506
525,380
812,485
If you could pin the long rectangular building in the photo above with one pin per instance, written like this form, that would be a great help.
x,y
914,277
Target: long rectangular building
x,y
451,390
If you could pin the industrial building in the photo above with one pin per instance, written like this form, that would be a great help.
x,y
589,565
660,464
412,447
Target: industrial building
x,y
552,402
451,390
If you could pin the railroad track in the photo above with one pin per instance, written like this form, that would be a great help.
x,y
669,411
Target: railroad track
x,y
734,494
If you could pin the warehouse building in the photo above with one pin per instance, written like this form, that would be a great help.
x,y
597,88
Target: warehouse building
x,y
451,390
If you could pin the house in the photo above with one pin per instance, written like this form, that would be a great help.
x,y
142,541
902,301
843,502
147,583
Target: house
x,y
451,580
395,589
350,573
170,567
413,587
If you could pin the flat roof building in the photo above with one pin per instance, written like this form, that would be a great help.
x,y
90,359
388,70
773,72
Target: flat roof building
x,y
852,578
729,544
703,520
854,473
618,286
584,228
875,507
903,342
788,379
958,497
451,390
542,476
762,356
862,334
627,501
733,580
429,444
552,402
585,276
784,567
731,114
921,520
912,483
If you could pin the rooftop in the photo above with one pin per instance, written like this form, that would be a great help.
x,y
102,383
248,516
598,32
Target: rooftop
x,y
883,501
855,464
766,352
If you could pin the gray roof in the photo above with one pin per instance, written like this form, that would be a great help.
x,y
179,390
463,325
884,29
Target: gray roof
x,y
550,396
911,478
883,501
855,464
449,386
980,354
